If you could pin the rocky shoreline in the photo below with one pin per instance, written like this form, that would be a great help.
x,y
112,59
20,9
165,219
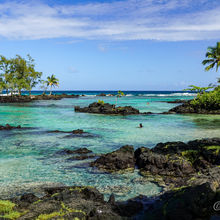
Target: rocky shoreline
x,y
188,108
26,98
188,172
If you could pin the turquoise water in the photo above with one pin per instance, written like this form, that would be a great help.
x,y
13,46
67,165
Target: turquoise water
x,y
28,157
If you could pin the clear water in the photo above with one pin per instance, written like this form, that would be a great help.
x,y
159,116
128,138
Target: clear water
x,y
28,157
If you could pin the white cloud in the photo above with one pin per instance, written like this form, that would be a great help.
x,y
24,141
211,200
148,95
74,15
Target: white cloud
x,y
166,20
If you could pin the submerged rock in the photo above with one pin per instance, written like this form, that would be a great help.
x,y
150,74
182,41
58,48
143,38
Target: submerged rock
x,y
83,150
119,160
106,108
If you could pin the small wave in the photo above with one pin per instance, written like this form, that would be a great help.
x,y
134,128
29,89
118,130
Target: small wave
x,y
129,95
172,94
89,95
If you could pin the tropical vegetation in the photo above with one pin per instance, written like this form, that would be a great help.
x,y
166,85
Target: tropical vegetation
x,y
18,74
198,89
208,100
213,57
52,81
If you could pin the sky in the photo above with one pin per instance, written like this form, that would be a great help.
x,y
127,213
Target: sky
x,y
114,45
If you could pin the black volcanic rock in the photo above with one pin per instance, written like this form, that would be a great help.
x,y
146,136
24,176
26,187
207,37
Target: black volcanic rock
x,y
27,98
9,127
177,164
119,160
106,108
188,108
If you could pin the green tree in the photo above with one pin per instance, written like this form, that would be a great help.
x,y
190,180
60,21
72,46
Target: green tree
x,y
52,81
213,57
5,74
25,76
18,74
119,94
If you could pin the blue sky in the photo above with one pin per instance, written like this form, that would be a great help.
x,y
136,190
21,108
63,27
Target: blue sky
x,y
127,44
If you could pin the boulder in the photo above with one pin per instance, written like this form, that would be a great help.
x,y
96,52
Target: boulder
x,y
176,164
120,160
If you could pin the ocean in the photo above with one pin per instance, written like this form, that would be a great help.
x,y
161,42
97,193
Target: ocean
x,y
29,158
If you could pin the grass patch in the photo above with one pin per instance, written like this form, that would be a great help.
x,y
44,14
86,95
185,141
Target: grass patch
x,y
7,210
63,211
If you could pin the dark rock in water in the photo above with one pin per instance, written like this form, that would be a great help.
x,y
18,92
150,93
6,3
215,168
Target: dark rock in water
x,y
77,151
26,98
82,151
106,108
9,127
79,154
119,160
101,94
178,101
82,157
188,108
15,99
78,131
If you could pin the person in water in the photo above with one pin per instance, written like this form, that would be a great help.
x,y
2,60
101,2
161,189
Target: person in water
x,y
140,125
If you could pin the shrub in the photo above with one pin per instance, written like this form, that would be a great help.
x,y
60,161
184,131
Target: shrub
x,y
101,102
208,100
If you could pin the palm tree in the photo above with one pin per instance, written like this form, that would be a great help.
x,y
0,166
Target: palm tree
x,y
52,81
213,56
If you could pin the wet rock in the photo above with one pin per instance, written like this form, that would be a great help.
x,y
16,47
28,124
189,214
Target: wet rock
x,y
106,108
9,127
77,151
188,108
78,131
119,160
26,98
82,157
178,101
101,94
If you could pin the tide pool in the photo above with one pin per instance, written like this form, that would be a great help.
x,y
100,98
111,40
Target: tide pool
x,y
30,156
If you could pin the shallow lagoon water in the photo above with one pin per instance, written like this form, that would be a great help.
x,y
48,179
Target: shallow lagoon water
x,y
29,156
